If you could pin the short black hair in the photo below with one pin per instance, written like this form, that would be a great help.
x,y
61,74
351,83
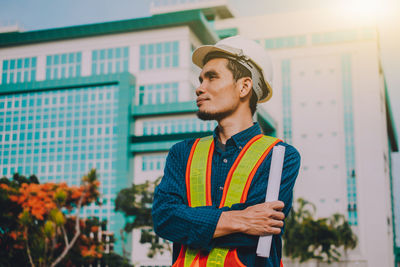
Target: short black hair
x,y
238,71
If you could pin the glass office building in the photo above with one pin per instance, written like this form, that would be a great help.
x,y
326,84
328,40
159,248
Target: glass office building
x,y
60,132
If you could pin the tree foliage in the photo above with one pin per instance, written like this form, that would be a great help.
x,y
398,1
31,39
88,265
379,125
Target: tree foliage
x,y
40,224
135,203
321,239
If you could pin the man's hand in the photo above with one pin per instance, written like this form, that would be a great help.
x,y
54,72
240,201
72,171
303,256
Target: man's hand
x,y
261,219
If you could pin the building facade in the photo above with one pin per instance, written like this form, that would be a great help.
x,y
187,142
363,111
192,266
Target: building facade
x,y
116,96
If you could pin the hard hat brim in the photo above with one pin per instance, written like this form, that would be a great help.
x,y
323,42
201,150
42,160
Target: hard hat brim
x,y
200,53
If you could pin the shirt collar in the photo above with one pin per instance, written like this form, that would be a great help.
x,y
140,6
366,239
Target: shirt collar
x,y
240,139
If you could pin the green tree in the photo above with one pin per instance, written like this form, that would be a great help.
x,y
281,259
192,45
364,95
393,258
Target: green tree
x,y
135,203
306,238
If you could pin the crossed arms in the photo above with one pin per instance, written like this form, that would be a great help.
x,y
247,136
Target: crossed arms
x,y
208,226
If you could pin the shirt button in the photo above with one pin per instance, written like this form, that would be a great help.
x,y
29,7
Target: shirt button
x,y
221,188
225,160
240,147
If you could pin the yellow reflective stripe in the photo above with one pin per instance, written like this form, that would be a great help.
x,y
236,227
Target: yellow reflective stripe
x,y
190,254
198,170
217,257
244,168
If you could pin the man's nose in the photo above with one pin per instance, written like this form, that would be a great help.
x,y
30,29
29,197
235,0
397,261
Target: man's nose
x,y
200,89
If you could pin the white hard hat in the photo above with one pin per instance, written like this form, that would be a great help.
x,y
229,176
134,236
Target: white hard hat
x,y
248,53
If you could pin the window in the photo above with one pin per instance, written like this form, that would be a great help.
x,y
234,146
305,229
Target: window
x,y
159,55
153,162
111,60
65,65
19,70
158,93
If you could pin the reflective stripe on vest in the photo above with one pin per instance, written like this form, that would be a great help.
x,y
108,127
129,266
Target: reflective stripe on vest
x,y
237,184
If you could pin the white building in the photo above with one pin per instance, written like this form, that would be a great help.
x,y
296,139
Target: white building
x,y
330,102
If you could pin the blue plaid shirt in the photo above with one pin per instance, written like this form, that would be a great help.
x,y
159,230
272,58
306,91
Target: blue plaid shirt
x,y
176,221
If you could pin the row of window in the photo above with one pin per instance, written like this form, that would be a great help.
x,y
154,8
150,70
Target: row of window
x,y
320,38
52,150
19,70
349,138
320,167
99,143
172,126
47,104
319,135
286,101
58,114
64,167
112,60
158,93
68,169
60,158
286,42
91,96
52,120
67,133
44,121
153,162
63,65
60,146
159,55
81,118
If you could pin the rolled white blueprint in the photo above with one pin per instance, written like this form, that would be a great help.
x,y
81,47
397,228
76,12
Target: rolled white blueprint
x,y
274,182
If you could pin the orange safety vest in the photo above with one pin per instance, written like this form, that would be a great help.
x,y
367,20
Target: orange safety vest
x,y
237,184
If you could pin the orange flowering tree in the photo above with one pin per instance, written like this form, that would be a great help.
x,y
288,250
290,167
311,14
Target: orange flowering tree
x,y
40,223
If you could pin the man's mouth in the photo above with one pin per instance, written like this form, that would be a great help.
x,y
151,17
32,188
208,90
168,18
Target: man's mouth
x,y
200,100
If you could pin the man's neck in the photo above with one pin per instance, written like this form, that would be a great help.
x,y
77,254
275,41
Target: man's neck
x,y
232,125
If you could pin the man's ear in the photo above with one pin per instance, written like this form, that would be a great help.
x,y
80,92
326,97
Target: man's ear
x,y
246,84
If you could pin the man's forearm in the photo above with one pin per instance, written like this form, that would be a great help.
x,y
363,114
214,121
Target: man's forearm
x,y
228,223
260,219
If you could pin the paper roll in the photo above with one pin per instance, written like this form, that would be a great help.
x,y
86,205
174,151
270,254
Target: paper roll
x,y
274,182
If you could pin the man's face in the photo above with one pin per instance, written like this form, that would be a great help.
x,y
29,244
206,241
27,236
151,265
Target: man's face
x,y
218,93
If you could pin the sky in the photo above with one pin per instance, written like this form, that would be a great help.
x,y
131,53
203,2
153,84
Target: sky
x,y
44,14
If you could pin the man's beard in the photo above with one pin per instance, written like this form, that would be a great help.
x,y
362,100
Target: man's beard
x,y
206,116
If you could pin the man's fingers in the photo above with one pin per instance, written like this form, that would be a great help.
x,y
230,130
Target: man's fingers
x,y
273,231
276,223
278,215
276,205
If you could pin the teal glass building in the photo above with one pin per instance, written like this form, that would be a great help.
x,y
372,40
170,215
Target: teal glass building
x,y
60,130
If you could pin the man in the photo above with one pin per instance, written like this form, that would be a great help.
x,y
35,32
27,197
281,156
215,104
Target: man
x,y
210,202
